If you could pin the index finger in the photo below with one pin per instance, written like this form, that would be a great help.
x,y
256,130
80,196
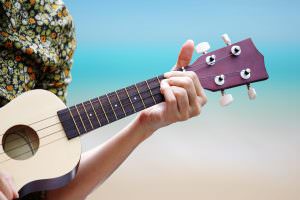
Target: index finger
x,y
199,89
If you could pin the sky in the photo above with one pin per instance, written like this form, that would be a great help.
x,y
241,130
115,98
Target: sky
x,y
122,42
135,40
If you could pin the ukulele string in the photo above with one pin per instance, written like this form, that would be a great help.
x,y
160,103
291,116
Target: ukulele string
x,y
57,131
59,122
127,98
39,139
192,66
3,161
34,140
111,111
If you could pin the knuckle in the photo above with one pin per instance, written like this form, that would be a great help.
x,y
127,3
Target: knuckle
x,y
185,116
181,93
187,81
177,117
193,75
204,100
171,101
201,100
197,110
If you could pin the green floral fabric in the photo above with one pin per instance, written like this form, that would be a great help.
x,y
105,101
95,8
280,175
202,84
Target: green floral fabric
x,y
37,41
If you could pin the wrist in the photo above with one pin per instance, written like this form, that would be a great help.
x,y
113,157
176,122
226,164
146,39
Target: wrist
x,y
144,125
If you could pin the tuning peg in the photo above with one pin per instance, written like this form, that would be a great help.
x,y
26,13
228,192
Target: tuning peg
x,y
202,48
226,99
226,39
251,92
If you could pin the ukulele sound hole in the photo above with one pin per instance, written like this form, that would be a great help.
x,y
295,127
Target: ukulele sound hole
x,y
20,142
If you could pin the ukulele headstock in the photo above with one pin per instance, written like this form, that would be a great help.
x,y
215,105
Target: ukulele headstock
x,y
231,66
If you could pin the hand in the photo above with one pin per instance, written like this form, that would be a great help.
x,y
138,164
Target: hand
x,y
7,189
184,96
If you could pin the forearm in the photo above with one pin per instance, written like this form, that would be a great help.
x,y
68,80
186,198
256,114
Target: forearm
x,y
98,164
184,98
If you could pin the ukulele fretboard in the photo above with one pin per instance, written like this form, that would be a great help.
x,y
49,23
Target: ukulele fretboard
x,y
90,115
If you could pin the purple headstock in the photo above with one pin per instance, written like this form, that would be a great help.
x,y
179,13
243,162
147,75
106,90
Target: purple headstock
x,y
234,65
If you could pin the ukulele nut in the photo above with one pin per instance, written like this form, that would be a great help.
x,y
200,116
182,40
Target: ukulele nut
x,y
246,74
220,80
211,60
236,50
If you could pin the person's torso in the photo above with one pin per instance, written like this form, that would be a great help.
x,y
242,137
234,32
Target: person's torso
x,y
37,39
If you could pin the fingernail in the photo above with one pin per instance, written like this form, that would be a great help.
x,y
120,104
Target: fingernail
x,y
189,41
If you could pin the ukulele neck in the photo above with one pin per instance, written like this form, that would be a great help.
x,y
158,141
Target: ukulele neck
x,y
95,113
226,70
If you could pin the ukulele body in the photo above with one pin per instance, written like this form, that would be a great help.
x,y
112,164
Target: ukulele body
x,y
35,149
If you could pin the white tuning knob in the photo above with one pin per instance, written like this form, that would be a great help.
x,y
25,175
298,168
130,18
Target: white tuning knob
x,y
251,93
226,99
226,39
202,48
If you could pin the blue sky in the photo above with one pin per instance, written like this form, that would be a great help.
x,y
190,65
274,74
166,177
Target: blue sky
x,y
173,21
122,42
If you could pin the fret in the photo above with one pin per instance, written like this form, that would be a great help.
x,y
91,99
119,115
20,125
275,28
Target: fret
x,y
108,121
91,114
159,97
121,104
101,115
157,79
78,112
112,106
68,123
116,104
77,120
145,94
107,108
95,113
86,116
140,95
151,92
127,104
135,98
155,88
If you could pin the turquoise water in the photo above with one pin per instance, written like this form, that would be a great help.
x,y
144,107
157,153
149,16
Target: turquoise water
x,y
123,42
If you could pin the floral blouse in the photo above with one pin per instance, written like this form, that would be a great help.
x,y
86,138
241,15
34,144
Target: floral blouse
x,y
37,42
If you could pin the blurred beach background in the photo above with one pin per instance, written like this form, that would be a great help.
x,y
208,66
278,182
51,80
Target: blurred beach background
x,y
249,150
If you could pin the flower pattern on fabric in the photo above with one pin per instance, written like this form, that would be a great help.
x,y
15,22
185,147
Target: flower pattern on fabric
x,y
37,42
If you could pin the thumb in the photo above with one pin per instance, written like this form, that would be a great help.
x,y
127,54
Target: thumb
x,y
185,55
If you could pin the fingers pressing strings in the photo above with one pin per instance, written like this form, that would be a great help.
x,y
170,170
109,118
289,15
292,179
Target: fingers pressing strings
x,y
198,87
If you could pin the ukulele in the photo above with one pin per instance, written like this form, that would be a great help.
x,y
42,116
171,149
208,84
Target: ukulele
x,y
40,136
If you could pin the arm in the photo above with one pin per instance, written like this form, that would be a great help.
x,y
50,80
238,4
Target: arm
x,y
184,99
98,164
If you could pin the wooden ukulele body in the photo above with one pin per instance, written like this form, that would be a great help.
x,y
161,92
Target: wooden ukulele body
x,y
55,159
